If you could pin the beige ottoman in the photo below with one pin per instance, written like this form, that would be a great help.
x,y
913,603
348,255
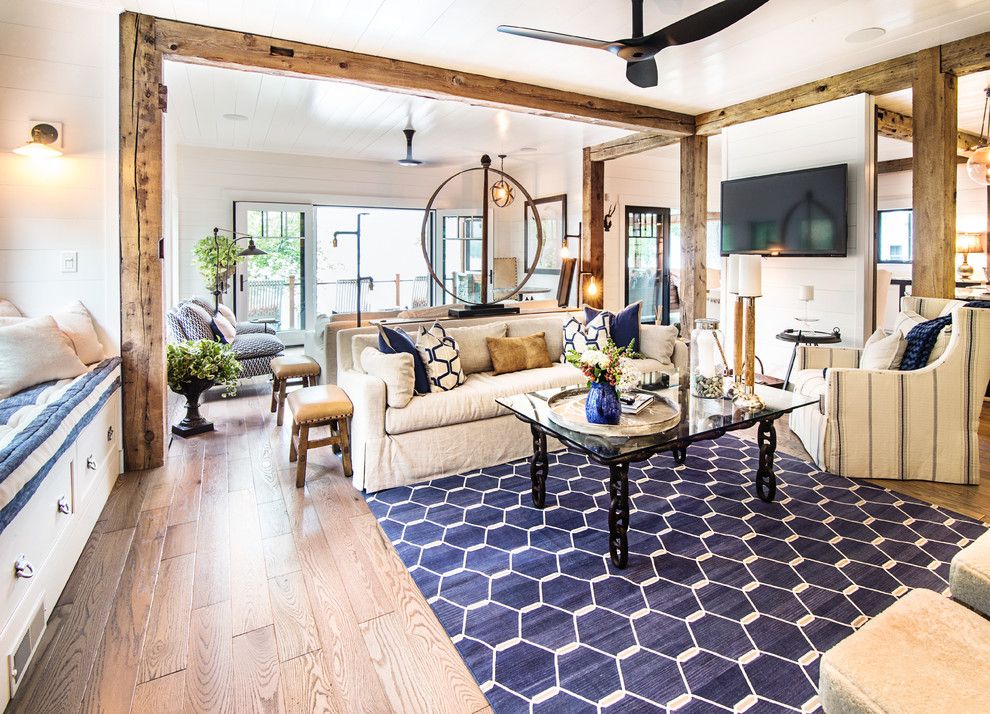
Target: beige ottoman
x,y
923,654
969,575
287,371
324,405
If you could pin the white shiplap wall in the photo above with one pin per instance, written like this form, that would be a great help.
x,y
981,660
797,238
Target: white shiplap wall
x,y
59,64
834,133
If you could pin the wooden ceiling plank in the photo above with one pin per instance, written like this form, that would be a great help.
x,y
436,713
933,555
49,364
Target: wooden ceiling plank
x,y
226,48
629,145
881,78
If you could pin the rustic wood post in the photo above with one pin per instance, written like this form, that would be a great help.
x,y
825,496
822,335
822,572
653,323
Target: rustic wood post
x,y
694,242
592,265
933,242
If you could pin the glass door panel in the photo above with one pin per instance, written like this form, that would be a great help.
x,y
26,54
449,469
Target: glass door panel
x,y
647,272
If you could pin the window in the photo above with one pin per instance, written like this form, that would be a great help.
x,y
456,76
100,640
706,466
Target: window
x,y
894,236
462,256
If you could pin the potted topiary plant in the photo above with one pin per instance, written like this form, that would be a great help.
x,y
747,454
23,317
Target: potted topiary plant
x,y
207,258
193,366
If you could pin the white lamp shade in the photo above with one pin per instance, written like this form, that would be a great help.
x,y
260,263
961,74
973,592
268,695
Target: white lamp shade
x,y
806,293
750,276
732,276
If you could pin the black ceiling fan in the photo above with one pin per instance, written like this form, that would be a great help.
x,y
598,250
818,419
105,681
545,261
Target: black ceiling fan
x,y
639,50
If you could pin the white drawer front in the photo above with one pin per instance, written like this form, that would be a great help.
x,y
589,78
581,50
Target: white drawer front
x,y
27,542
96,447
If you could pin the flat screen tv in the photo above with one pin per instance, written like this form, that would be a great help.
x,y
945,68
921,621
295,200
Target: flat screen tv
x,y
798,213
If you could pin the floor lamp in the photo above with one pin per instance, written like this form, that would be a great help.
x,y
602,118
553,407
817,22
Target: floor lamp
x,y
220,283
357,236
732,287
750,287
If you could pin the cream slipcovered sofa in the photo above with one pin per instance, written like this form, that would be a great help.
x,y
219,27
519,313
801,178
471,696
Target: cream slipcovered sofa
x,y
899,425
462,430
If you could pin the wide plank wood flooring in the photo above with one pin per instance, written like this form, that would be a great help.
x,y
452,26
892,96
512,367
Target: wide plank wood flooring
x,y
212,584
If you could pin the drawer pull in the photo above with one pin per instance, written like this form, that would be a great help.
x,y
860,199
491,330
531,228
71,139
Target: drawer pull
x,y
110,434
23,569
91,463
63,505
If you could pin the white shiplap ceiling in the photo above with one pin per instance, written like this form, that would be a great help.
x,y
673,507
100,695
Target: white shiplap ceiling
x,y
971,89
322,118
783,44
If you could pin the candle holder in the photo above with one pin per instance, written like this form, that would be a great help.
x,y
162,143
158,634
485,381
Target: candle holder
x,y
750,281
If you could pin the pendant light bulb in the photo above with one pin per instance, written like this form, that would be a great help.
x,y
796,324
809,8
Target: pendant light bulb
x,y
978,165
502,189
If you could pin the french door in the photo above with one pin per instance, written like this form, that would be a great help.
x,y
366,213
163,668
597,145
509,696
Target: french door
x,y
272,288
647,240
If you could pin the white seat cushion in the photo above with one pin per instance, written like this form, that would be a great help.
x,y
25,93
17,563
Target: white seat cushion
x,y
969,575
475,399
472,345
808,382
552,328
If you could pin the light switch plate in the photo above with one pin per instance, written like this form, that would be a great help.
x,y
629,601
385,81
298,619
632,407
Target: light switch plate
x,y
69,261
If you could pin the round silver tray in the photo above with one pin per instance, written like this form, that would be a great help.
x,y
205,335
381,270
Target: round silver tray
x,y
567,410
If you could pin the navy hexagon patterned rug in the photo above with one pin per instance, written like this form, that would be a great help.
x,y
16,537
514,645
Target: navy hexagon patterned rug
x,y
727,602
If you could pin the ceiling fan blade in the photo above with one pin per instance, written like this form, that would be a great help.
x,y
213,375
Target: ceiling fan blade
x,y
554,37
703,23
643,74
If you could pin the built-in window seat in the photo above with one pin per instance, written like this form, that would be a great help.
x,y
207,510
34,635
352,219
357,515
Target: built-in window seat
x,y
59,458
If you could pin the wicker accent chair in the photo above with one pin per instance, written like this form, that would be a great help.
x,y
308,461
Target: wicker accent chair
x,y
918,425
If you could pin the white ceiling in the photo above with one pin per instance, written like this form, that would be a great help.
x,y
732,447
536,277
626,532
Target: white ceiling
x,y
784,43
972,96
322,118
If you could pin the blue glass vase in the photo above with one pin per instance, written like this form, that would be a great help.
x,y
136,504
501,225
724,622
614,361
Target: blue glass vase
x,y
602,405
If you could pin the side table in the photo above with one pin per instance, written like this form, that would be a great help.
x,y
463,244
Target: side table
x,y
806,337
266,321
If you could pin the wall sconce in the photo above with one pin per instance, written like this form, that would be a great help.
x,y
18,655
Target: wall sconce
x,y
45,141
565,251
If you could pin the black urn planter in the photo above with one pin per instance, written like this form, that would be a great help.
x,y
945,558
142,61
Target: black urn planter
x,y
193,423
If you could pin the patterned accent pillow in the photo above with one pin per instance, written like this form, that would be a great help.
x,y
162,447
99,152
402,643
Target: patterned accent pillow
x,y
580,337
175,331
222,328
441,357
194,325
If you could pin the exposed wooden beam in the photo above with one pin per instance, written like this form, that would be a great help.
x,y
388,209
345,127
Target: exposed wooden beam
x,y
880,78
629,145
198,44
142,332
934,109
895,165
592,265
895,125
966,56
694,246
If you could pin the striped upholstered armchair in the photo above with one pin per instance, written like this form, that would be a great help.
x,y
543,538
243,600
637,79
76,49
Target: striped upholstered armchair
x,y
899,425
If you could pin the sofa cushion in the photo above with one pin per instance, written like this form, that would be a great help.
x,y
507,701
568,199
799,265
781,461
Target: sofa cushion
x,y
391,341
441,357
475,399
969,575
358,345
8,309
551,327
808,382
645,365
473,348
657,341
259,345
514,354
397,371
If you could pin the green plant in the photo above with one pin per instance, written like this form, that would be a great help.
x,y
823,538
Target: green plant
x,y
205,257
609,365
202,359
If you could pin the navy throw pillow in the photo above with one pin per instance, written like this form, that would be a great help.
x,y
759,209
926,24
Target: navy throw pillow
x,y
624,326
392,342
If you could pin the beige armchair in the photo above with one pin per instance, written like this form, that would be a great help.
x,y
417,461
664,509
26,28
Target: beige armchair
x,y
918,425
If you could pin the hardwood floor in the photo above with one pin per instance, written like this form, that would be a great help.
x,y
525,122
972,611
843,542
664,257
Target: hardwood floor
x,y
212,584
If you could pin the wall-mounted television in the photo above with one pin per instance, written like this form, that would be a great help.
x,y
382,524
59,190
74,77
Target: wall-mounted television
x,y
798,213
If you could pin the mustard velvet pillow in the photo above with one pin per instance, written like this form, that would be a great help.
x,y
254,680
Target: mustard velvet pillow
x,y
514,354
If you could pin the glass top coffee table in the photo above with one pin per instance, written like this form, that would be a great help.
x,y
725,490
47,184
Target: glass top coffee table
x,y
701,419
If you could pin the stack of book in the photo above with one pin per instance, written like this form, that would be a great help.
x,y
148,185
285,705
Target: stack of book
x,y
634,402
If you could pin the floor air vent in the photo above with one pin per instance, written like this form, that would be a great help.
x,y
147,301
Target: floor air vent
x,y
18,660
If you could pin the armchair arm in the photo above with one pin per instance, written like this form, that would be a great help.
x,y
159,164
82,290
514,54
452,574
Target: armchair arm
x,y
815,357
367,394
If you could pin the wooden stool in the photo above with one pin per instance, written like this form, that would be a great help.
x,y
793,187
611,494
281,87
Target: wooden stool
x,y
290,371
322,405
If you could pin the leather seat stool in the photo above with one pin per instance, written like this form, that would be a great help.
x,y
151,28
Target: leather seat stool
x,y
288,371
323,405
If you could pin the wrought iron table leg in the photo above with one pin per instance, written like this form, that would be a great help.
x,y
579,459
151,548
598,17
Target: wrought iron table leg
x,y
618,514
538,467
680,455
766,480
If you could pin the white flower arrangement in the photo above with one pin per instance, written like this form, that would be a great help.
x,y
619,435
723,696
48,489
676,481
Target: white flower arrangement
x,y
609,365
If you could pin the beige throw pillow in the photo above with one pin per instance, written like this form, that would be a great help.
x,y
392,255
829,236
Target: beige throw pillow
x,y
8,309
883,351
35,351
472,347
226,329
228,313
514,354
77,322
396,370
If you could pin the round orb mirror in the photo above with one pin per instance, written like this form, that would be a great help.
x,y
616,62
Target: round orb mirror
x,y
481,256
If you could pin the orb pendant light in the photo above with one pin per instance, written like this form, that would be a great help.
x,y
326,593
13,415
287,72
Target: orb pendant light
x,y
978,166
502,189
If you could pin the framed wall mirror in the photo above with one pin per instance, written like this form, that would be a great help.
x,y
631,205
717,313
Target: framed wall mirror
x,y
553,217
